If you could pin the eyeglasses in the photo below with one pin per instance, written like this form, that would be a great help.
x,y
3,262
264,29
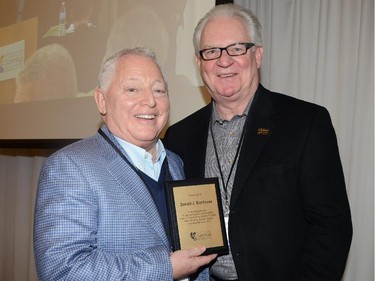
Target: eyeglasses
x,y
237,49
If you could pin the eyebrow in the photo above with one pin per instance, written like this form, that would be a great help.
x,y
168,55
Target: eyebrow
x,y
155,81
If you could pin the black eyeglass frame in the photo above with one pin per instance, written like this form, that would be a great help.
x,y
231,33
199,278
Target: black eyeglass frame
x,y
246,44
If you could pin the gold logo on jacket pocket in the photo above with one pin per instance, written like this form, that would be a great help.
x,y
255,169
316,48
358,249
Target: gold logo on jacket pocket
x,y
263,131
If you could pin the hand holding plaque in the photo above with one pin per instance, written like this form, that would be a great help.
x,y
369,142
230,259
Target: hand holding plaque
x,y
196,215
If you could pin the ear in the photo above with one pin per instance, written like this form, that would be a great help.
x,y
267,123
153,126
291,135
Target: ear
x,y
259,56
100,101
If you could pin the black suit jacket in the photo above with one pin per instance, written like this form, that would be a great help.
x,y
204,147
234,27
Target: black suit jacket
x,y
289,213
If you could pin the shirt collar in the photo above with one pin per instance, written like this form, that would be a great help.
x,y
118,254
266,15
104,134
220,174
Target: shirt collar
x,y
139,155
216,117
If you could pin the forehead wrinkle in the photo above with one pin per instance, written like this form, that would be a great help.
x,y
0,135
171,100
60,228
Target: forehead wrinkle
x,y
157,81
141,80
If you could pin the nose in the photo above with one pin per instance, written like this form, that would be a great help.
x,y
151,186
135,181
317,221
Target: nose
x,y
148,98
225,60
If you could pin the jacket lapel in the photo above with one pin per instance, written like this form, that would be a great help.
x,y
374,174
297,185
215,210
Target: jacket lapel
x,y
198,144
259,129
133,185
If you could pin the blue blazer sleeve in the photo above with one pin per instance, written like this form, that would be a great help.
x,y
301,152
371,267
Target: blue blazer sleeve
x,y
94,220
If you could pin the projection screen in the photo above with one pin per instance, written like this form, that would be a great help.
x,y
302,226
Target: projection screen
x,y
50,59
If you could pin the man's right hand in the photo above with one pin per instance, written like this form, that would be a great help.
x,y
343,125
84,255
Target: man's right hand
x,y
186,262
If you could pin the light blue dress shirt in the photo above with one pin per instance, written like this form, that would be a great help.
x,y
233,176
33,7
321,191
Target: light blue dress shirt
x,y
142,159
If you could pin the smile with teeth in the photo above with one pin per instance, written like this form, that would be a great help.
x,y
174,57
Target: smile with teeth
x,y
226,75
146,116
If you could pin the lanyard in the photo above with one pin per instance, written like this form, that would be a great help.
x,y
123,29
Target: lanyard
x,y
135,169
225,183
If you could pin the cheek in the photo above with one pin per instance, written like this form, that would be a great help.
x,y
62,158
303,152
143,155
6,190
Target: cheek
x,y
248,68
165,108
125,106
206,68
208,76
164,104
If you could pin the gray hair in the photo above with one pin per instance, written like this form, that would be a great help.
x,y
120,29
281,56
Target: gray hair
x,y
108,67
230,10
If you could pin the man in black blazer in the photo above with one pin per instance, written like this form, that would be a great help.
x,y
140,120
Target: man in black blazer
x,y
282,185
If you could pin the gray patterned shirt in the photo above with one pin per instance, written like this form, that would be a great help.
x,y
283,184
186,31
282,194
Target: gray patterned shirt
x,y
227,136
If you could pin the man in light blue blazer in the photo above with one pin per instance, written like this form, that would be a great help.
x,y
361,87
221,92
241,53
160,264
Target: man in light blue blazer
x,y
100,211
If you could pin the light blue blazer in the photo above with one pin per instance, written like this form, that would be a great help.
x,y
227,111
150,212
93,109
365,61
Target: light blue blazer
x,y
96,220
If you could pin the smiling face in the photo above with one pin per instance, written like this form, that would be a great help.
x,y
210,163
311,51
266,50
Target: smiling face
x,y
230,80
136,106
